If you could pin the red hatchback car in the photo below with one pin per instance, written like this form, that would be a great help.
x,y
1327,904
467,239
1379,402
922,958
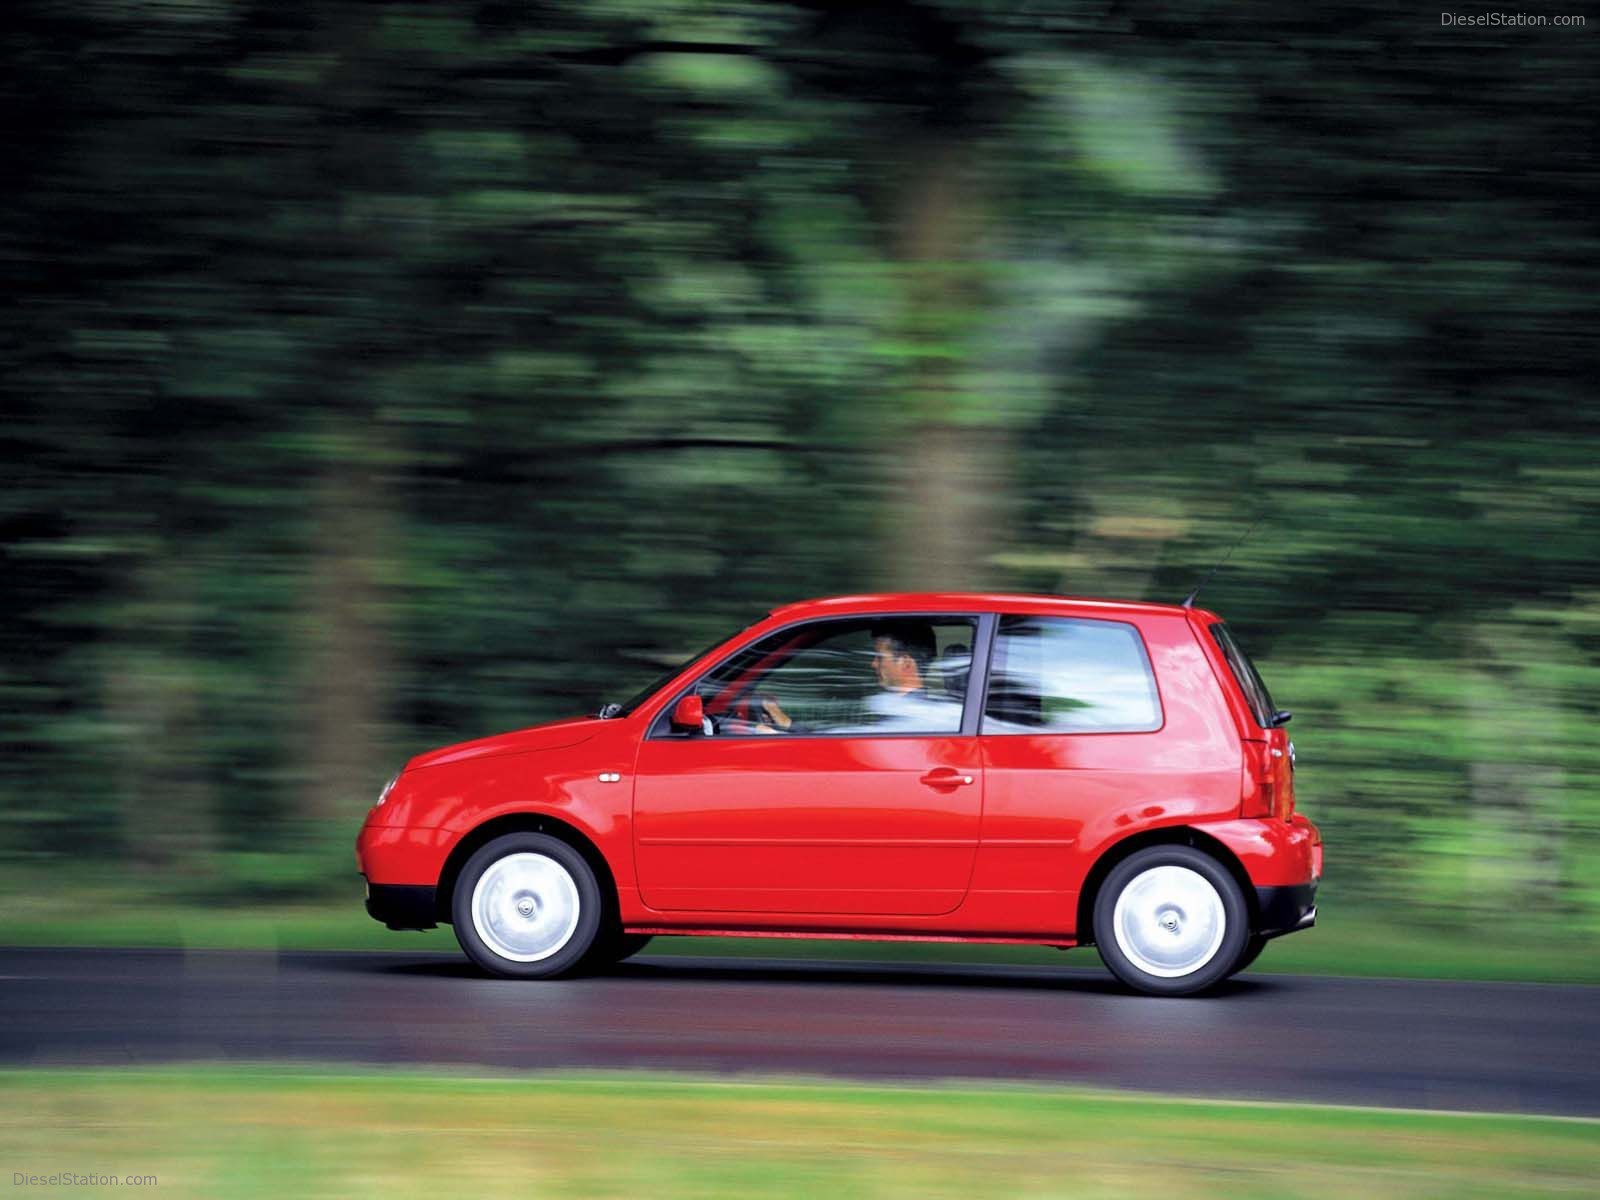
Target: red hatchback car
x,y
939,767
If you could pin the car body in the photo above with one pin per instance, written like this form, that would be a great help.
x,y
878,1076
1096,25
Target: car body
x,y
1052,747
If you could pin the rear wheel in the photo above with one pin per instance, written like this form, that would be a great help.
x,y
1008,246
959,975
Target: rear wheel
x,y
1170,921
526,906
1252,951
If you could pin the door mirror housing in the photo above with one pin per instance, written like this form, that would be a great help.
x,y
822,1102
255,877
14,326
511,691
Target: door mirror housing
x,y
689,713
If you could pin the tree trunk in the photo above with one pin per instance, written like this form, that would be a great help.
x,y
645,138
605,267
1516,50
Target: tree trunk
x,y
346,655
155,698
946,460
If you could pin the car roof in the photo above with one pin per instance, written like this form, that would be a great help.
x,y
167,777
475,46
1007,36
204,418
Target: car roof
x,y
978,602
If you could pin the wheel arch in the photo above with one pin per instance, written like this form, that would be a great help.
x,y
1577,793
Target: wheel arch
x,y
1172,835
524,822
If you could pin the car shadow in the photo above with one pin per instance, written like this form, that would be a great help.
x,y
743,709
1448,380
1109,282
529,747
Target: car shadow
x,y
667,969
431,968
1087,980
833,973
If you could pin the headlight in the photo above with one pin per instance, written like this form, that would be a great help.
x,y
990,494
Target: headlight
x,y
387,788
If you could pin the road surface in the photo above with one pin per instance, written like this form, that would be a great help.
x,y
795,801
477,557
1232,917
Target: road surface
x,y
1487,1046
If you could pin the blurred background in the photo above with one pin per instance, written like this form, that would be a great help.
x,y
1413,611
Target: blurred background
x,y
378,376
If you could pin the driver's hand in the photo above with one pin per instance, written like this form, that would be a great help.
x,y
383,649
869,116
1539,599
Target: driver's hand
x,y
775,714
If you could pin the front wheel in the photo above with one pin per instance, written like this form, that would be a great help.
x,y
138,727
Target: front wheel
x,y
1170,921
630,944
614,946
526,906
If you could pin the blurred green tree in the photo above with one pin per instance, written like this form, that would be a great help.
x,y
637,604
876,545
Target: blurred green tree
x,y
375,376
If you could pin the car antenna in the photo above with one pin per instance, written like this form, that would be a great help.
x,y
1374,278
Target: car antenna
x,y
1188,601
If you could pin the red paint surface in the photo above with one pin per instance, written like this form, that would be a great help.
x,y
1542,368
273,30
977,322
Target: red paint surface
x,y
806,824
872,835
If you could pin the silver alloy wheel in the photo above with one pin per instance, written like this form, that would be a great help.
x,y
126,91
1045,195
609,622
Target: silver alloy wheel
x,y
525,907
1169,921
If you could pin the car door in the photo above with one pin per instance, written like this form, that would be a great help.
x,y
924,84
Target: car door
x,y
869,803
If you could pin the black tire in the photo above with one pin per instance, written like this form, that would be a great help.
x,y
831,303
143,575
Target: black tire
x,y
572,952
614,946
630,944
1235,917
1252,951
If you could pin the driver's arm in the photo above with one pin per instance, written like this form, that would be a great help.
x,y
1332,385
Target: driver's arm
x,y
778,720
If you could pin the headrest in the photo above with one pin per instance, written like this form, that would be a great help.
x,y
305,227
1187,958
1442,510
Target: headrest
x,y
951,669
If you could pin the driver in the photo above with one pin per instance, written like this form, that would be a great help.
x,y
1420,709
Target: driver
x,y
902,651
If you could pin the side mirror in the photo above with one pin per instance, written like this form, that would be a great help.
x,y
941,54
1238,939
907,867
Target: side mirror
x,y
689,713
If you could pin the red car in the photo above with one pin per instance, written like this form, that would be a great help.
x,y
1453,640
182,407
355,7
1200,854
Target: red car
x,y
933,767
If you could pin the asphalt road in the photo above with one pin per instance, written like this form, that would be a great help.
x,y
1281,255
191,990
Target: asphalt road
x,y
1487,1046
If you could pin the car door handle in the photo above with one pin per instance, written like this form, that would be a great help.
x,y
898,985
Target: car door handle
x,y
946,777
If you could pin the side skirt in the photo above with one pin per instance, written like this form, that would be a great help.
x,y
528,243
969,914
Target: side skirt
x,y
854,935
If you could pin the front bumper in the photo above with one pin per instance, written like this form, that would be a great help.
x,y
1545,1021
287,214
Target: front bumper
x,y
399,854
402,905
1281,910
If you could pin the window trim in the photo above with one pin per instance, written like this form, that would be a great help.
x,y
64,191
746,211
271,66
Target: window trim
x,y
1144,651
984,623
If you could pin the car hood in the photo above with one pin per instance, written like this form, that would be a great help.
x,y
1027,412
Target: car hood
x,y
553,735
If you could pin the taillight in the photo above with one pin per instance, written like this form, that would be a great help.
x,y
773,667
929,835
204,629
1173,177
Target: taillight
x,y
1257,782
1284,799
1268,791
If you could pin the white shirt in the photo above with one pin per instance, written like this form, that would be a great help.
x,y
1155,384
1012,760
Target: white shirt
x,y
907,712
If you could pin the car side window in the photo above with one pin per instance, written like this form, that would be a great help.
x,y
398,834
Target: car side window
x,y
889,675
1070,675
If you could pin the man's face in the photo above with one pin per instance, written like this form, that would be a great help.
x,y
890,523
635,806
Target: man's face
x,y
896,672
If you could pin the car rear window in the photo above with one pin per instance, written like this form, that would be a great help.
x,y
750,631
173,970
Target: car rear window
x,y
1246,675
1070,675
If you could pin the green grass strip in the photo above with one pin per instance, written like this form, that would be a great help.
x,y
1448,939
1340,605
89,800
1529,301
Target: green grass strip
x,y
242,1132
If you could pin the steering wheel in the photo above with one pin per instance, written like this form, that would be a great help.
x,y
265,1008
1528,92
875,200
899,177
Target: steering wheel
x,y
745,714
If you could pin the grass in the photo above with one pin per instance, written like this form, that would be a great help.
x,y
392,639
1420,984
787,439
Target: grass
x,y
269,1132
1344,943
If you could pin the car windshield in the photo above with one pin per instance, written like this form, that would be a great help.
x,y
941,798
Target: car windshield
x,y
661,680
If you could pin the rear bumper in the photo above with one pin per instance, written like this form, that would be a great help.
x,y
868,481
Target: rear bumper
x,y
402,905
1273,853
1282,910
